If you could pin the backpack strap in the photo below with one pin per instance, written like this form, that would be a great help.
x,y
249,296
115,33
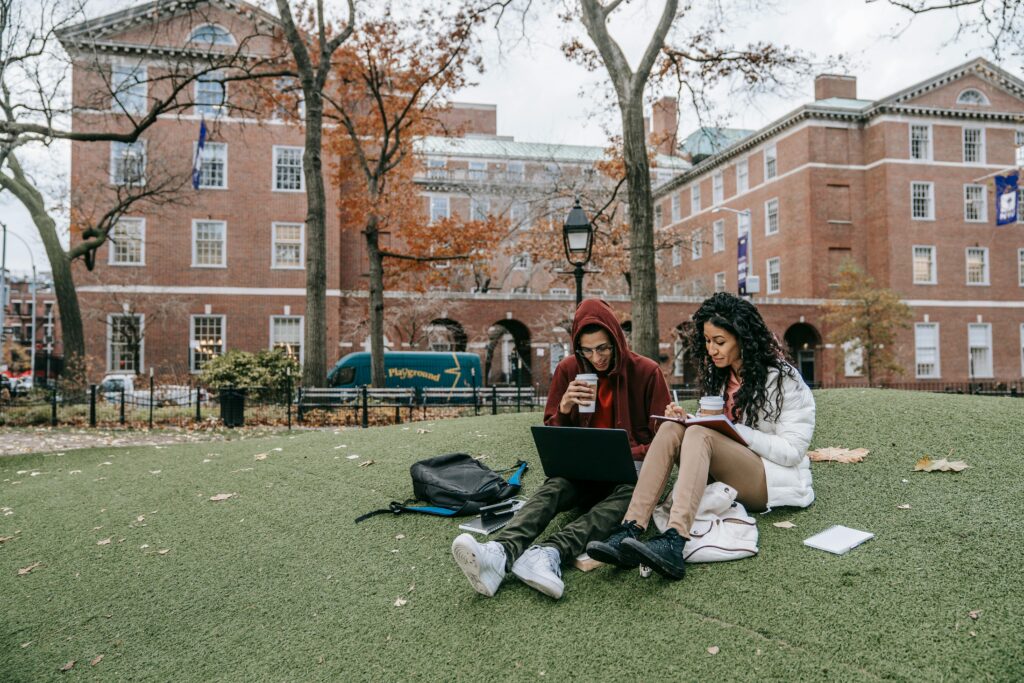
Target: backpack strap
x,y
398,508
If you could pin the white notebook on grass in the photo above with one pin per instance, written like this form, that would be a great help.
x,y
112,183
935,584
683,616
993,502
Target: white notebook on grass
x,y
838,539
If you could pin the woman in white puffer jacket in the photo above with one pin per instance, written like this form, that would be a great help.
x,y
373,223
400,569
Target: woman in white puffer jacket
x,y
739,359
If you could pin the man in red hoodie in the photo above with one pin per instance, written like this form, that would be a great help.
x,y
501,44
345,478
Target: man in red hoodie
x,y
630,388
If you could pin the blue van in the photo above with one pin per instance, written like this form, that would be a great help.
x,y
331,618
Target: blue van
x,y
410,370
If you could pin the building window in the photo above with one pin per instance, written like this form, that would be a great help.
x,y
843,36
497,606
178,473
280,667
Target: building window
x,y
979,342
128,242
677,256
288,173
771,216
774,275
128,84
556,352
695,199
437,169
771,163
853,359
209,244
720,281
128,163
210,93
207,337
552,172
718,236
743,224
211,34
924,265
972,96
974,146
213,170
698,244
439,209
1020,267
517,214
515,171
742,176
289,245
521,262
921,142
926,350
479,208
922,205
1018,141
477,170
657,216
977,265
678,358
717,188
974,204
286,333
124,343
559,291
677,207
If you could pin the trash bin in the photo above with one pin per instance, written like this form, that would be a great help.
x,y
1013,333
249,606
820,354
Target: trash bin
x,y
232,407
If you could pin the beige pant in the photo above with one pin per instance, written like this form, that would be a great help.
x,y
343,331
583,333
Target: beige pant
x,y
704,455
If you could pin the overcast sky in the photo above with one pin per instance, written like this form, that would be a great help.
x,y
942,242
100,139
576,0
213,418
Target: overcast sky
x,y
543,98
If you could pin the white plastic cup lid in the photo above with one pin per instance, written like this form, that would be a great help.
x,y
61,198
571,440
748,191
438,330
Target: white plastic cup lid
x,y
712,402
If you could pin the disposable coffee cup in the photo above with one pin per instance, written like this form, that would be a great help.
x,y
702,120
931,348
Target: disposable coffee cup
x,y
711,405
591,379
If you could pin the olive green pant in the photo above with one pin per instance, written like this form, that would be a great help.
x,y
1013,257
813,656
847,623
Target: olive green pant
x,y
604,505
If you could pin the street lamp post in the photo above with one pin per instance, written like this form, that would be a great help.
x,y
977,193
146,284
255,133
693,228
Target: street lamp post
x,y
749,284
578,235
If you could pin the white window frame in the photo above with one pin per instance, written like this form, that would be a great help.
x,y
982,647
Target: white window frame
x,y
720,281
205,108
479,208
515,171
928,141
933,261
771,162
917,347
768,275
193,343
677,207
476,170
678,357
302,332
981,145
931,200
1018,142
717,188
742,179
224,244
1020,267
973,91
981,203
117,167
695,198
984,266
274,264
437,169
277,151
718,236
985,372
210,24
771,206
208,148
447,207
110,342
697,244
522,261
559,291
134,101
113,237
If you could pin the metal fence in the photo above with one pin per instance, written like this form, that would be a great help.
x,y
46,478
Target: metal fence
x,y
1014,388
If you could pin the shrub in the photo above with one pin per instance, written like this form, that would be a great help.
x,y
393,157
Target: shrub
x,y
266,369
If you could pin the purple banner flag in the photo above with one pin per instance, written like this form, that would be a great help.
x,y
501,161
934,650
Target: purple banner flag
x,y
197,163
1007,198
741,264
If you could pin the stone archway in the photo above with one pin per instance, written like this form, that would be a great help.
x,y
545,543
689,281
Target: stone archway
x,y
508,360
802,342
445,334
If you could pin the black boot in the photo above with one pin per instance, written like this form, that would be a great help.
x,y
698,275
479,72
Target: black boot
x,y
663,553
608,550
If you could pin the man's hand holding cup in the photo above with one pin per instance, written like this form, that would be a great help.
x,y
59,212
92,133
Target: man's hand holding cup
x,y
581,392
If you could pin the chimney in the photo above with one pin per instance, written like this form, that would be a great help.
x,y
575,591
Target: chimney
x,y
835,85
664,126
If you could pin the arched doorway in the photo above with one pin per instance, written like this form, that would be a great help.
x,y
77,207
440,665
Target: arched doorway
x,y
684,366
508,354
802,342
445,334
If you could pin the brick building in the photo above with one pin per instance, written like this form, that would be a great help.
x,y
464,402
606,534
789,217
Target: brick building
x,y
903,186
21,311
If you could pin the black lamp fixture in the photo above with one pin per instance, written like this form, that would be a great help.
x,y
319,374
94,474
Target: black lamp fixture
x,y
578,235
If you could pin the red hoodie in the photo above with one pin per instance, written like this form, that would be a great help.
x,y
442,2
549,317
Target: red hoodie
x,y
638,386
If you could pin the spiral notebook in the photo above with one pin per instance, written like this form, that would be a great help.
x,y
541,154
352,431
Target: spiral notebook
x,y
493,517
838,539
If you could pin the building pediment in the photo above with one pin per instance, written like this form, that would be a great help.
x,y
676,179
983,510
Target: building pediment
x,y
975,86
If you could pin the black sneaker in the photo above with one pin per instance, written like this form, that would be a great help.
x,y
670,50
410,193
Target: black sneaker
x,y
662,553
607,551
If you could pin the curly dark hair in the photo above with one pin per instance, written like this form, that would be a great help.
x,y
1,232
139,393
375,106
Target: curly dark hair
x,y
759,350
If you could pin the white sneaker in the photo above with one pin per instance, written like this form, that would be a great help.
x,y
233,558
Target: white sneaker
x,y
540,567
483,564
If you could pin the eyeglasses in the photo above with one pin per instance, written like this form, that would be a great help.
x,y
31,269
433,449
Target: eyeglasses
x,y
602,350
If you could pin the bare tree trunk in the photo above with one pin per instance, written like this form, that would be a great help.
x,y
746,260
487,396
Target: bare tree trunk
x,y
376,303
314,366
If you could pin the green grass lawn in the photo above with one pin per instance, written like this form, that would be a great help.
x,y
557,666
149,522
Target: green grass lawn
x,y
278,584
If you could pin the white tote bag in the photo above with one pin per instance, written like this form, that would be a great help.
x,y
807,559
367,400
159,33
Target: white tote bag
x,y
721,531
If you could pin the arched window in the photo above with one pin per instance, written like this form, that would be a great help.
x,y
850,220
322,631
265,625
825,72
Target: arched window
x,y
972,96
211,34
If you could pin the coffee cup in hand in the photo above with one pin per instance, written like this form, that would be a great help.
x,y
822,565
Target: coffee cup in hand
x,y
711,405
591,379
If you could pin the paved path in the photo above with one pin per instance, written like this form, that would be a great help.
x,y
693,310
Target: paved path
x,y
16,441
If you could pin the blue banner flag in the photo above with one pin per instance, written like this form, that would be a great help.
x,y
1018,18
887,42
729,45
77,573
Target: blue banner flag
x,y
197,163
741,263
1007,198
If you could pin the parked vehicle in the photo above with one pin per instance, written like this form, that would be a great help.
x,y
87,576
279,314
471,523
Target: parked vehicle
x,y
137,393
410,370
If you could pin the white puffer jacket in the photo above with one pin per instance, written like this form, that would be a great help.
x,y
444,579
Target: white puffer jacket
x,y
782,443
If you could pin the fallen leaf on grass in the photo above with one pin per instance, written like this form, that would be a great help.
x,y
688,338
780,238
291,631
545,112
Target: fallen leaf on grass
x,y
95,660
713,650
785,525
75,472
222,496
974,613
400,602
105,541
260,456
351,457
422,431
366,463
4,539
24,645
399,537
277,450
926,464
155,471
140,518
837,454
163,552
26,570
905,506
143,546
69,666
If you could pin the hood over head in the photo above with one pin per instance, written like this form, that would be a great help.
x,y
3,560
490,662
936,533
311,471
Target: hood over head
x,y
597,311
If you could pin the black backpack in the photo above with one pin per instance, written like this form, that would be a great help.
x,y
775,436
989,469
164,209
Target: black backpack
x,y
455,485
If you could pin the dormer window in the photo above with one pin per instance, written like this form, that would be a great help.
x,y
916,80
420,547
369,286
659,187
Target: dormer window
x,y
972,96
211,34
